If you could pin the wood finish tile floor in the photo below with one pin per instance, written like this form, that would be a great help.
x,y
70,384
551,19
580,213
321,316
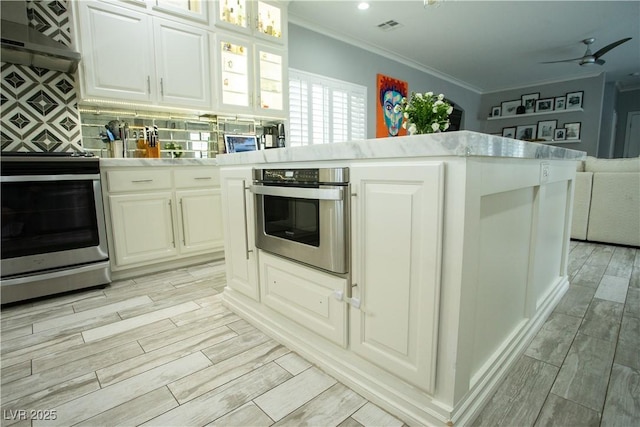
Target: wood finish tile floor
x,y
162,350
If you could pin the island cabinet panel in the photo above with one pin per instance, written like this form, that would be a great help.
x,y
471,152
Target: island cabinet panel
x,y
306,295
396,223
239,222
145,227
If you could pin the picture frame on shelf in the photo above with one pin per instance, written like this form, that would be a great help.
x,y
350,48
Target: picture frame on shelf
x,y
573,131
574,100
496,111
544,105
546,129
509,132
526,132
509,108
560,134
561,102
529,102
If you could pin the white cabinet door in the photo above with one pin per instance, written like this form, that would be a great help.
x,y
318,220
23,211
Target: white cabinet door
x,y
271,80
397,223
239,233
182,64
308,296
199,217
143,225
117,52
235,84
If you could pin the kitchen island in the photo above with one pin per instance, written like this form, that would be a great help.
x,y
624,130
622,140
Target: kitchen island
x,y
458,247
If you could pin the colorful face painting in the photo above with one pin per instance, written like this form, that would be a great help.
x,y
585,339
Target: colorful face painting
x,y
390,93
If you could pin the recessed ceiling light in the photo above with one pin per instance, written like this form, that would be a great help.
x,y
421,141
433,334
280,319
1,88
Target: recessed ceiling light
x,y
363,5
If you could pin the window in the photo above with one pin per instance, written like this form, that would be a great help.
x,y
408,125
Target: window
x,y
324,110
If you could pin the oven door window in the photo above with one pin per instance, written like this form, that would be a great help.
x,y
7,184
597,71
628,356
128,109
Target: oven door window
x,y
292,219
43,217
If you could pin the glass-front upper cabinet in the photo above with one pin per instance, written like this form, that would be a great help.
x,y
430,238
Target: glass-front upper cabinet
x,y
252,17
269,21
191,9
235,78
270,79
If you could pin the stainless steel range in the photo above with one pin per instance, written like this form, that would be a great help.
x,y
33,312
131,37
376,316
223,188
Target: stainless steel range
x,y
53,228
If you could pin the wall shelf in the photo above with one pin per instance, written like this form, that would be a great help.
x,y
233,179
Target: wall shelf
x,y
517,116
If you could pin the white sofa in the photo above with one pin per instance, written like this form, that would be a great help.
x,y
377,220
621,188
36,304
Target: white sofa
x,y
606,203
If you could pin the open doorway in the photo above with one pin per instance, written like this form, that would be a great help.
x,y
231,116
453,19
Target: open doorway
x,y
632,135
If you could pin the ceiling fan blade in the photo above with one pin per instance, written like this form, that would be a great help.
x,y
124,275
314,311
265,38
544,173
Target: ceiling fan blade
x,y
607,48
564,60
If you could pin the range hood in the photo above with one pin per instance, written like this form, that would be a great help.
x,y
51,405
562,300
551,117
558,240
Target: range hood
x,y
24,45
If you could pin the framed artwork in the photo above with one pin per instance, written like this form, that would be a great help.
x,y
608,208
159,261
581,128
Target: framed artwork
x,y
561,102
509,108
546,129
509,132
560,134
543,105
573,131
529,102
390,92
574,100
495,111
526,132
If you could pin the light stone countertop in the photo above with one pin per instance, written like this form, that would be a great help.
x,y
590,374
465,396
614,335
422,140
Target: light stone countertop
x,y
137,162
460,144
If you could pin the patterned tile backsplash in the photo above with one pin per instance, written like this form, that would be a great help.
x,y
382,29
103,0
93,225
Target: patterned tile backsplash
x,y
38,107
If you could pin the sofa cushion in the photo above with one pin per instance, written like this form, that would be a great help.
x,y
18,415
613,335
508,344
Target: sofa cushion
x,y
593,164
580,166
614,216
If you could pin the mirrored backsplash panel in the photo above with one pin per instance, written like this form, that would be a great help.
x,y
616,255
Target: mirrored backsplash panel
x,y
177,135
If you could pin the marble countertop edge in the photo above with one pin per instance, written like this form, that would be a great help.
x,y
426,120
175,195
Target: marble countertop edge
x,y
139,162
461,144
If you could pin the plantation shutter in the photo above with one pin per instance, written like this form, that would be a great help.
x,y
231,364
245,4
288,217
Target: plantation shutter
x,y
324,110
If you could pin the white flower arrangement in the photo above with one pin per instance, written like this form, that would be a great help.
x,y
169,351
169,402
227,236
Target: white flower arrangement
x,y
425,113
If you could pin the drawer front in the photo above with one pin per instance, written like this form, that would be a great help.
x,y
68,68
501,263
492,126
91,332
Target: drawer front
x,y
310,297
139,180
194,177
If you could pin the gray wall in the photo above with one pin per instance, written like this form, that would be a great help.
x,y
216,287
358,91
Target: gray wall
x,y
627,101
593,88
316,53
606,145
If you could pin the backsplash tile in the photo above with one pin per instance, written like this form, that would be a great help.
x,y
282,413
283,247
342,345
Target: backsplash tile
x,y
39,107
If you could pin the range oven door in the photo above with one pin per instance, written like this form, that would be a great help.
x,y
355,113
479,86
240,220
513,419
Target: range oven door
x,y
51,221
305,224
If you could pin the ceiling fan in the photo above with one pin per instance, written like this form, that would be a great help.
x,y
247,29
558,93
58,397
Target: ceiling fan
x,y
592,58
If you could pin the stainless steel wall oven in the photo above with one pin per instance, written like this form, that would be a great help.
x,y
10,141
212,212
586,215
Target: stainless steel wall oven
x,y
53,228
303,214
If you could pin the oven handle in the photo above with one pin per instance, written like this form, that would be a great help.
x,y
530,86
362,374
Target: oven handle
x,y
299,193
66,177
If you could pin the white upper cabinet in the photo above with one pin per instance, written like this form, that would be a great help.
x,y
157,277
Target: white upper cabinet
x,y
113,66
251,77
131,56
266,20
182,64
195,10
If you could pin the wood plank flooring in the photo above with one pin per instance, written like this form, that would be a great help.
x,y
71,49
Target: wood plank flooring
x,y
163,350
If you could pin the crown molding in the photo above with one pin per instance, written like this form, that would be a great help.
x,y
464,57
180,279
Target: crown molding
x,y
301,22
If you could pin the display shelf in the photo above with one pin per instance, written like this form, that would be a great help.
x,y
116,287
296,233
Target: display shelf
x,y
517,116
571,141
